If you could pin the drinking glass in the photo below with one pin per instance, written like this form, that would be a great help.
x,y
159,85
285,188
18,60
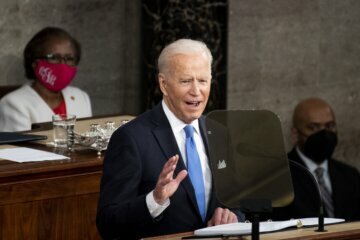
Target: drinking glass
x,y
63,125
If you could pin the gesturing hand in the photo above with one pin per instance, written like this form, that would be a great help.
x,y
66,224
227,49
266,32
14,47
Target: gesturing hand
x,y
166,184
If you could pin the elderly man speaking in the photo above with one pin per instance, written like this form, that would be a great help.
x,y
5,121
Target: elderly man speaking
x,y
156,177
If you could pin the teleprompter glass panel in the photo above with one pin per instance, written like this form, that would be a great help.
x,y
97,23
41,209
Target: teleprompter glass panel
x,y
248,158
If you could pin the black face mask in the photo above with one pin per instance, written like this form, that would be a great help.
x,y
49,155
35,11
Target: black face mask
x,y
320,145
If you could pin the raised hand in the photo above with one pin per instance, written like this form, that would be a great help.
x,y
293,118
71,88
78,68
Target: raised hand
x,y
167,184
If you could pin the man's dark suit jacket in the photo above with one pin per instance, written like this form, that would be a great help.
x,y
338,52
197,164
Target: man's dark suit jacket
x,y
345,182
134,159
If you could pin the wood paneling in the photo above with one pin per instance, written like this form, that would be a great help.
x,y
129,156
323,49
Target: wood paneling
x,y
51,199
59,218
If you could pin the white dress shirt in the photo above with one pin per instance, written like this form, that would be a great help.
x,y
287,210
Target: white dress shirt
x,y
312,166
177,127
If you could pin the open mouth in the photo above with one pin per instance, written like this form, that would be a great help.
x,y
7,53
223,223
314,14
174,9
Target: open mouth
x,y
193,103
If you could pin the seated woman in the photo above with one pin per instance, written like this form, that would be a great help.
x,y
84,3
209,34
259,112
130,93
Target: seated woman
x,y
50,60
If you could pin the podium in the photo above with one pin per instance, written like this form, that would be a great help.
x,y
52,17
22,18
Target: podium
x,y
343,231
52,199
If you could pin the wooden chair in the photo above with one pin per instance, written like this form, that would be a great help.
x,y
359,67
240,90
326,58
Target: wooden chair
x,y
6,89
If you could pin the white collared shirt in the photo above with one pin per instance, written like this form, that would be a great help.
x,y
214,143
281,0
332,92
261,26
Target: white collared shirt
x,y
177,127
312,166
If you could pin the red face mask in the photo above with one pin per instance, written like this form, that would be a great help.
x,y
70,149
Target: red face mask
x,y
54,76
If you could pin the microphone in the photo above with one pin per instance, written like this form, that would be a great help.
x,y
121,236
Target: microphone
x,y
321,206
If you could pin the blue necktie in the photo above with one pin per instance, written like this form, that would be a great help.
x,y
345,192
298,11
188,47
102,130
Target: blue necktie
x,y
194,170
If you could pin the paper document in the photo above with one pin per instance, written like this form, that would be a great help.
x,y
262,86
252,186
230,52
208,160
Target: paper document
x,y
245,228
23,154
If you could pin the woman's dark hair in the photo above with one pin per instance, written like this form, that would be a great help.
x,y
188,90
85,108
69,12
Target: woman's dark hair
x,y
35,48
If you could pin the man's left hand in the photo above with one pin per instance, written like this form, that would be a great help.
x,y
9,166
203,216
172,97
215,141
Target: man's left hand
x,y
222,216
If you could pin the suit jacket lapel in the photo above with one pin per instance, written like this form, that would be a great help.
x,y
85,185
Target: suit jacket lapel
x,y
213,200
167,142
339,189
204,134
293,155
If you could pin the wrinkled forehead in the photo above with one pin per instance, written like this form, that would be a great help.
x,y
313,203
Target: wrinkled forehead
x,y
190,64
315,114
193,60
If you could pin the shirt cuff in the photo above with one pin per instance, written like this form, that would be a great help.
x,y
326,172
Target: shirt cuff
x,y
155,209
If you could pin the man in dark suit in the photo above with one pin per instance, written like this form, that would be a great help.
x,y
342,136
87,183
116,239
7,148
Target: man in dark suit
x,y
147,188
315,134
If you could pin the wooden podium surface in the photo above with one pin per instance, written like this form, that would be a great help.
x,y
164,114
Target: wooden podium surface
x,y
52,199
350,230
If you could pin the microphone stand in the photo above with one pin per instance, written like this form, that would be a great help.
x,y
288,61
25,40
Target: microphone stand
x,y
321,206
255,207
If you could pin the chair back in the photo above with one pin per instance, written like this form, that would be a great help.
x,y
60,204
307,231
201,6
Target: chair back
x,y
6,89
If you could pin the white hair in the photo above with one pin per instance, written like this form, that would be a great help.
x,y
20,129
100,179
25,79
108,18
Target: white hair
x,y
182,46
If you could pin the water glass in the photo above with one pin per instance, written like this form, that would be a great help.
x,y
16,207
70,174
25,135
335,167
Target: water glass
x,y
63,125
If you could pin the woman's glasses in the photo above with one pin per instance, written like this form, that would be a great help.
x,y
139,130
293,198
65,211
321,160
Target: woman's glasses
x,y
57,58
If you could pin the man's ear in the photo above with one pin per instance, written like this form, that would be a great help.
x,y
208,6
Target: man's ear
x,y
162,83
295,135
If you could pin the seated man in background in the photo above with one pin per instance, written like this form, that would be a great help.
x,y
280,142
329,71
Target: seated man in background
x,y
50,60
156,178
315,134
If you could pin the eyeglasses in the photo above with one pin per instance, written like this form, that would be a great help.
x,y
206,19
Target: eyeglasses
x,y
57,58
